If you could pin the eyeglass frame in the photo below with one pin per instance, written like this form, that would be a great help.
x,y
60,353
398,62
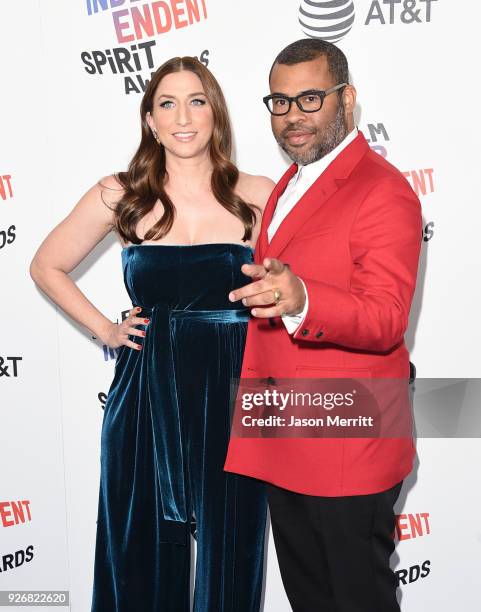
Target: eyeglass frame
x,y
321,92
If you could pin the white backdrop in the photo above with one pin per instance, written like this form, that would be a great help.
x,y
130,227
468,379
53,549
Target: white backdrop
x,y
64,125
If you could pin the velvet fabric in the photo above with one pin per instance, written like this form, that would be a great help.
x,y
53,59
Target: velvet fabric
x,y
164,439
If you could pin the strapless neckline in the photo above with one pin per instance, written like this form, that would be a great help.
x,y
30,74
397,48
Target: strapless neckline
x,y
200,244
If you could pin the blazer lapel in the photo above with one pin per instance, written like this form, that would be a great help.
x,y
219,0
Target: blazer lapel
x,y
322,189
278,190
309,203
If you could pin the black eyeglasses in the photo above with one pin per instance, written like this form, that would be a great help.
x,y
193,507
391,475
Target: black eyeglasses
x,y
309,101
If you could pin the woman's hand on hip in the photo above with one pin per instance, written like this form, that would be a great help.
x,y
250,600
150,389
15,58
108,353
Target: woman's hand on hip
x,y
117,334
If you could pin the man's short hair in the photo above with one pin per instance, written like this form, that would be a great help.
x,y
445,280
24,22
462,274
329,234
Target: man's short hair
x,y
307,49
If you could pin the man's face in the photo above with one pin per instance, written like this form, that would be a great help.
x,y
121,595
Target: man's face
x,y
306,137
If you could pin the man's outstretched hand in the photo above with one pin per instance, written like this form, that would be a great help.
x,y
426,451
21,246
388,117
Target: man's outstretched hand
x,y
271,276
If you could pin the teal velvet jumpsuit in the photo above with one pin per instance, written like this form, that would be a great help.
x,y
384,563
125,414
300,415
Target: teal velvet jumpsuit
x,y
164,439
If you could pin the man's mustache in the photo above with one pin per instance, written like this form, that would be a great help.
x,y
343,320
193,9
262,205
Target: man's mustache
x,y
296,128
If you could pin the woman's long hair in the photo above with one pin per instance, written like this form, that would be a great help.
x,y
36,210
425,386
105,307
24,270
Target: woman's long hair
x,y
143,182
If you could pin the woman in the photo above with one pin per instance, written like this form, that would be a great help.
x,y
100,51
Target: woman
x,y
187,221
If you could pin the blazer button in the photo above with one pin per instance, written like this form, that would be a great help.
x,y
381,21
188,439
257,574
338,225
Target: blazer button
x,y
319,334
305,332
271,380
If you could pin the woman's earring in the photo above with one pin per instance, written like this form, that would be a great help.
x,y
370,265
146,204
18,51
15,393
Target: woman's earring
x,y
156,136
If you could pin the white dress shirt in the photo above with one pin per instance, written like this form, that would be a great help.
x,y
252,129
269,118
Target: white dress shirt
x,y
304,178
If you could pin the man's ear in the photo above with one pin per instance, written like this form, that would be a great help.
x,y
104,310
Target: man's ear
x,y
349,98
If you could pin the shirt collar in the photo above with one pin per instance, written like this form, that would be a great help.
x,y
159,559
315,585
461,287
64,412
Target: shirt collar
x,y
310,172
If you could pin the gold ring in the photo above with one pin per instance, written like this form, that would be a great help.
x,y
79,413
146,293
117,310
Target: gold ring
x,y
277,295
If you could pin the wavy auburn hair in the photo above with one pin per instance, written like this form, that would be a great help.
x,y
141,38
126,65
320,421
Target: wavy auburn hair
x,y
144,180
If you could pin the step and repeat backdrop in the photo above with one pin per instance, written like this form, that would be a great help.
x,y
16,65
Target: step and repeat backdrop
x,y
73,74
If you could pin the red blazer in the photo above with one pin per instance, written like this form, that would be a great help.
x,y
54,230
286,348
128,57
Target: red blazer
x,y
354,238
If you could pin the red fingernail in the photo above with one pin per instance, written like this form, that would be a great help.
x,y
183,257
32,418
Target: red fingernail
x,y
143,333
146,320
139,346
138,309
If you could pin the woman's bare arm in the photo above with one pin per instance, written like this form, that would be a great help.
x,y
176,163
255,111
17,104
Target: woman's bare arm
x,y
63,250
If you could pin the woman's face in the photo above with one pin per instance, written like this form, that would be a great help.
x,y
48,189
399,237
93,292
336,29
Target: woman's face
x,y
182,115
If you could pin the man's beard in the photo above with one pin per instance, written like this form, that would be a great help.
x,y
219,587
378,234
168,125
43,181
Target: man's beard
x,y
326,141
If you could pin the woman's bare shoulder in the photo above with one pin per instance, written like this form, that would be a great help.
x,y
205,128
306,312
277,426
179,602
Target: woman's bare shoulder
x,y
255,189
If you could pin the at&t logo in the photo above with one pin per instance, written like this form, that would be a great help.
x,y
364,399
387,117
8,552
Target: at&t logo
x,y
403,11
11,368
329,20
332,20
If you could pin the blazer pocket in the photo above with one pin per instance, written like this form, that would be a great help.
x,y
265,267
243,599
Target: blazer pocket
x,y
333,372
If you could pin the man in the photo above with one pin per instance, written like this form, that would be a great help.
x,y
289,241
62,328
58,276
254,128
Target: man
x,y
348,225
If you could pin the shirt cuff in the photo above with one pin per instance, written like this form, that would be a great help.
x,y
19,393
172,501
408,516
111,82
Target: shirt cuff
x,y
292,322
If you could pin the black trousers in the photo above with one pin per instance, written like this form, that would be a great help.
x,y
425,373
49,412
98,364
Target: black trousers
x,y
334,552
